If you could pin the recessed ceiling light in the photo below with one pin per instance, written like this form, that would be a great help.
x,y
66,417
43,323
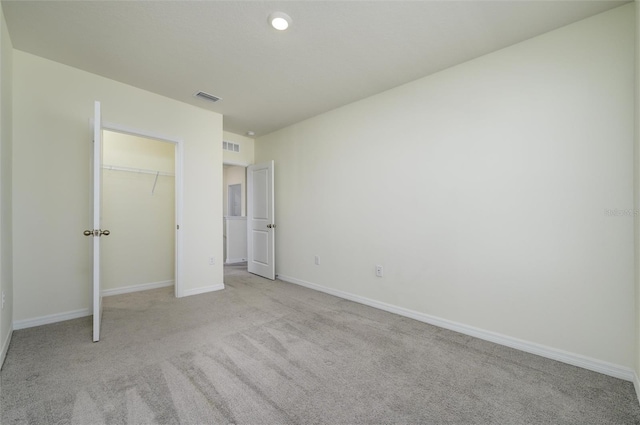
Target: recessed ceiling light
x,y
280,20
250,133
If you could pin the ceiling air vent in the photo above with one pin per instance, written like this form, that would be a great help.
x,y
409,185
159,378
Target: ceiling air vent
x,y
207,96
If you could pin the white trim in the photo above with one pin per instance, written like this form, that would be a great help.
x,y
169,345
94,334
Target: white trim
x,y
137,288
5,346
636,385
202,290
179,193
595,365
235,260
236,163
51,318
96,183
138,132
75,314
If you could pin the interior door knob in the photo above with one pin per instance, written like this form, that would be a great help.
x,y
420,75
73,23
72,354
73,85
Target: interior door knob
x,y
269,226
105,232
88,232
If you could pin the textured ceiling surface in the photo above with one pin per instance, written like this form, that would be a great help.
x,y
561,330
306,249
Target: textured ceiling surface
x,y
334,53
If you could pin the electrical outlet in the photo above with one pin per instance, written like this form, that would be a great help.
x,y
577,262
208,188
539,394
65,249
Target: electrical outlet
x,y
212,261
317,260
379,271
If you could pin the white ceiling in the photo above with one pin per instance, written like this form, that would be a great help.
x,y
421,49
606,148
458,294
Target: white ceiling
x,y
334,53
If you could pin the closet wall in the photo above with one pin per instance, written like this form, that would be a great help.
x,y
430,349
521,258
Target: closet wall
x,y
139,210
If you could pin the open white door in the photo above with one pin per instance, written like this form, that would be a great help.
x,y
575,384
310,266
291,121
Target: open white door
x,y
97,231
261,220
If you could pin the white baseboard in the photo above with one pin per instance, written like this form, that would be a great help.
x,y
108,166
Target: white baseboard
x,y
137,288
202,290
5,346
235,260
636,385
60,317
52,318
595,365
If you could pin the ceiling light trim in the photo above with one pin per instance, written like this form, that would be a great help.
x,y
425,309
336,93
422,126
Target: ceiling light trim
x,y
280,21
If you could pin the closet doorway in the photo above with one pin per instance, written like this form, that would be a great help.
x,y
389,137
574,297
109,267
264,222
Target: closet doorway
x,y
139,207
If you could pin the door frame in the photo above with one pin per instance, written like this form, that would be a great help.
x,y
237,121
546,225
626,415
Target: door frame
x,y
96,189
178,157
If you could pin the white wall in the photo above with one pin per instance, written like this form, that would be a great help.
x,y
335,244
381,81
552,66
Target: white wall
x,y
482,191
52,106
6,239
126,150
245,156
139,210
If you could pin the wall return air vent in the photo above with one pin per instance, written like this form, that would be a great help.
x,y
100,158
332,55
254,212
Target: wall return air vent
x,y
207,96
230,146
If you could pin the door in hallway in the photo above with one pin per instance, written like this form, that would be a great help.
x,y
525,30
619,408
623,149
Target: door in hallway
x,y
261,220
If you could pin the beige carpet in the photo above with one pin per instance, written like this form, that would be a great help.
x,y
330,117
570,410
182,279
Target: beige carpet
x,y
263,352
